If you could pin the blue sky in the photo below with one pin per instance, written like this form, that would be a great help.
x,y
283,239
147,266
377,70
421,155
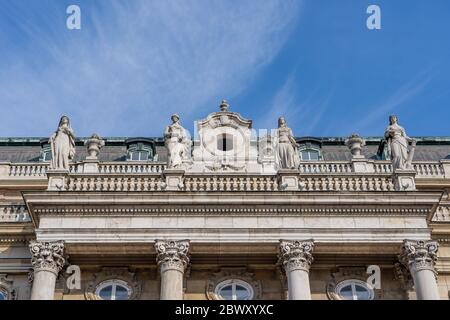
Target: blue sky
x,y
134,63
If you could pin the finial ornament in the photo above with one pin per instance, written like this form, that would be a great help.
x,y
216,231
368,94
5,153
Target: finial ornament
x,y
224,106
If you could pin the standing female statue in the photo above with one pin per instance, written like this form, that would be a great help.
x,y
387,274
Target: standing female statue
x,y
287,147
62,143
177,143
397,143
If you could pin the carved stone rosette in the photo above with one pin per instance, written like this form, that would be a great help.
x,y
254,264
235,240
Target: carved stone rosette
x,y
172,254
419,255
295,255
47,256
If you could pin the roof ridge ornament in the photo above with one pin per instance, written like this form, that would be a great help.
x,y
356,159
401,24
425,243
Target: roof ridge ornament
x,y
224,106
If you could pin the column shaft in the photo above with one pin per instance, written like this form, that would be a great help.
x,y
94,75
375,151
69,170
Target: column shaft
x,y
173,259
47,259
420,258
295,257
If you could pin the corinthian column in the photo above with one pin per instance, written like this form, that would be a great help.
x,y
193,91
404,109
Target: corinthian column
x,y
47,259
172,258
420,257
295,257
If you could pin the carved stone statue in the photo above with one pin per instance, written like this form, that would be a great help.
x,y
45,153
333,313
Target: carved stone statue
x,y
397,144
288,156
62,143
177,142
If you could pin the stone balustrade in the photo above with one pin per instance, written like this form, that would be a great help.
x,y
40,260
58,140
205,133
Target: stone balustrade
x,y
37,170
14,213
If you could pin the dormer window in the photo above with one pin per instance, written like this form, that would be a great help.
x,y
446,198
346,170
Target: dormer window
x,y
224,142
46,151
310,149
140,150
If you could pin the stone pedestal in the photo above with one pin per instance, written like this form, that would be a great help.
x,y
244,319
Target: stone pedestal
x,y
4,170
446,165
420,258
361,165
295,257
404,180
47,259
174,179
90,165
173,259
57,179
288,179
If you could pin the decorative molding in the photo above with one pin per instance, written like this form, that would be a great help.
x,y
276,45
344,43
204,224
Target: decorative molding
x,y
232,273
442,214
419,255
403,275
295,255
6,287
172,254
47,256
218,210
113,273
347,273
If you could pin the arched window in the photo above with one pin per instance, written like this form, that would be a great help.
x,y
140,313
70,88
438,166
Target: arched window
x,y
224,142
354,289
4,294
310,149
113,290
140,149
234,289
310,155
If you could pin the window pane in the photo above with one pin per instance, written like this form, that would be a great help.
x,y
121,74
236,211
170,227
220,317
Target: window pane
x,y
362,293
143,155
106,293
121,293
346,292
305,155
242,293
226,292
313,155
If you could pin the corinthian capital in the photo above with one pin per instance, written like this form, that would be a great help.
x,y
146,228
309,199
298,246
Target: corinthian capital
x,y
172,254
296,255
419,255
47,256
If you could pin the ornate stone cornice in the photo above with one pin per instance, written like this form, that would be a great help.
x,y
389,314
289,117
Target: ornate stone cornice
x,y
47,256
239,211
295,255
419,255
172,254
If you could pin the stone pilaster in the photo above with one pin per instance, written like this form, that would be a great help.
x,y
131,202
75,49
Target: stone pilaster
x,y
288,179
47,259
296,258
420,258
404,180
173,259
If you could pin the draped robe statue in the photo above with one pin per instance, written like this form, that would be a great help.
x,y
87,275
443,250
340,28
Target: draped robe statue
x,y
288,157
177,142
397,143
62,144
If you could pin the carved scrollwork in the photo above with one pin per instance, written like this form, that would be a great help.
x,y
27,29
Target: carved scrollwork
x,y
419,255
172,254
47,256
295,255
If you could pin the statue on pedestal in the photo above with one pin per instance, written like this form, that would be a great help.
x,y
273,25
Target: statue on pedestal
x,y
397,143
177,142
288,156
62,143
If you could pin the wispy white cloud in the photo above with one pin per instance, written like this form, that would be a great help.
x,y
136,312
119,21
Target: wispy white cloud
x,y
301,109
136,62
395,101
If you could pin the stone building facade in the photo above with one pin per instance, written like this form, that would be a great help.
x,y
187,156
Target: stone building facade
x,y
225,221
